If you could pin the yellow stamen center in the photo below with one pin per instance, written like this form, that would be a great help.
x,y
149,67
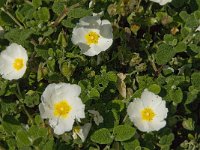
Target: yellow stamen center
x,y
18,64
147,114
62,109
92,38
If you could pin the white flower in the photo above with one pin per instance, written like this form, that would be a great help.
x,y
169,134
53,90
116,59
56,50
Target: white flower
x,y
161,2
61,105
93,35
82,131
13,62
148,112
198,29
97,117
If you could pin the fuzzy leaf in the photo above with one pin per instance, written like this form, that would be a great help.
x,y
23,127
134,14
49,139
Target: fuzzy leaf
x,y
37,3
123,132
79,13
195,78
22,139
102,136
43,14
131,144
181,47
176,95
164,54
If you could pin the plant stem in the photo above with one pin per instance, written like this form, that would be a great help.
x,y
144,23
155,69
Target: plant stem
x,y
151,61
28,2
27,113
61,17
12,17
20,97
125,118
19,91
138,5
63,14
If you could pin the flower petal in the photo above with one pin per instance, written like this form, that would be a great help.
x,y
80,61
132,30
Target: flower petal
x,y
64,125
91,21
84,131
104,43
78,35
106,29
134,108
156,125
89,50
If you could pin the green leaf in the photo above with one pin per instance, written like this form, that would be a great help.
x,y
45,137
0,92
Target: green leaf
x,y
67,69
170,39
37,3
93,93
144,81
32,98
42,52
167,71
180,47
166,139
123,132
185,31
22,139
194,48
43,14
42,72
62,39
18,35
93,148
112,76
102,136
35,132
132,145
3,85
11,125
49,145
191,95
25,13
58,7
164,18
8,106
11,143
51,64
164,54
184,15
178,4
68,23
188,124
79,13
2,2
5,19
100,82
154,88
195,78
38,120
117,105
176,95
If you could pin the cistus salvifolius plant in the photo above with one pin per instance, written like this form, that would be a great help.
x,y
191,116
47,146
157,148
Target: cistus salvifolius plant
x,y
100,74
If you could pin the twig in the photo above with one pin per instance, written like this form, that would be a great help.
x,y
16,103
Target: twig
x,y
12,17
28,2
63,14
20,97
27,113
151,61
